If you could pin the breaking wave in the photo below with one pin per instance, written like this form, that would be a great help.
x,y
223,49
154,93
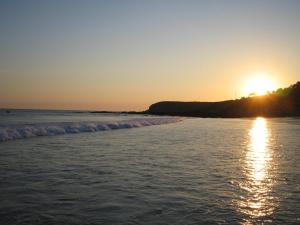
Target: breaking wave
x,y
13,132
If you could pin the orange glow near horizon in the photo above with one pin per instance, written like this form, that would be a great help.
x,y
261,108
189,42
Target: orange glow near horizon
x,y
259,85
126,56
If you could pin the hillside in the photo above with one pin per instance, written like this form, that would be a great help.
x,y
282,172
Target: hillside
x,y
280,103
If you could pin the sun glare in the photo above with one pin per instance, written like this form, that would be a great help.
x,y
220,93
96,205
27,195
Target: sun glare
x,y
259,85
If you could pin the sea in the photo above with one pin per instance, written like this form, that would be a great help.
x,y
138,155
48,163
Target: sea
x,y
76,167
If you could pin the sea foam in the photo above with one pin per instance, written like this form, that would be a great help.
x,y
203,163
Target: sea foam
x,y
13,132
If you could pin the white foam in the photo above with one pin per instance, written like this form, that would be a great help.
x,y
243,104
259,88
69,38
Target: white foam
x,y
13,132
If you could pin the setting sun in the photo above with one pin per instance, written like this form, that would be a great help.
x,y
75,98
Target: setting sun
x,y
259,85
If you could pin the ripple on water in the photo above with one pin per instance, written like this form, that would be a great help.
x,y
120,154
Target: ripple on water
x,y
200,171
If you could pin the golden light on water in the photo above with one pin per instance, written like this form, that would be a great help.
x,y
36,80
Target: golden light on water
x,y
258,154
257,200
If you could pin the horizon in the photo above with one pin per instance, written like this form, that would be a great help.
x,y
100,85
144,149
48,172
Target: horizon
x,y
251,95
126,55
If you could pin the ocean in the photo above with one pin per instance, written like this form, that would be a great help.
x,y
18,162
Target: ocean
x,y
64,167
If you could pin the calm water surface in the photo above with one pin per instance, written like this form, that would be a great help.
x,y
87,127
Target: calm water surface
x,y
198,171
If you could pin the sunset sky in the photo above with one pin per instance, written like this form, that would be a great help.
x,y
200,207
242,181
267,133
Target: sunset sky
x,y
125,55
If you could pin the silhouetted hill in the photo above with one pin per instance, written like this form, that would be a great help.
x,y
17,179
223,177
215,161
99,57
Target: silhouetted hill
x,y
282,102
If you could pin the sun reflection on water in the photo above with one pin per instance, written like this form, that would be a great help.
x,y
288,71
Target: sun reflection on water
x,y
258,155
257,201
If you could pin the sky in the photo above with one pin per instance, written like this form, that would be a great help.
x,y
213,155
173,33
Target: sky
x,y
126,55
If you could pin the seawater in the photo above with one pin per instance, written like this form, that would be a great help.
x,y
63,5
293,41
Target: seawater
x,y
28,130
195,171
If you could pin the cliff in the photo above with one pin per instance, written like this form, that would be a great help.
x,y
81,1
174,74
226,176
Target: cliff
x,y
280,103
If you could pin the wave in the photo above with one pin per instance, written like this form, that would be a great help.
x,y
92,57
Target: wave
x,y
13,132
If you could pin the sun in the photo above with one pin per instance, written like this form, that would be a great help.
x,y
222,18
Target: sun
x,y
259,85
